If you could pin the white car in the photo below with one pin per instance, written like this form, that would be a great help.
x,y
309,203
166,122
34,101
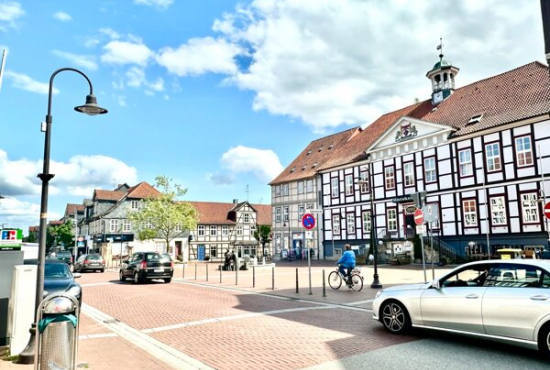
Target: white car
x,y
503,300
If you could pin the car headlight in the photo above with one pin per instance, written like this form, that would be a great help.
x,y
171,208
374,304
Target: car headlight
x,y
379,293
74,290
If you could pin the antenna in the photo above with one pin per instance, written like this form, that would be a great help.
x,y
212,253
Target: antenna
x,y
247,192
4,55
440,48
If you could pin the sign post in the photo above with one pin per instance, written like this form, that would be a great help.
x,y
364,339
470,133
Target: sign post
x,y
419,220
308,221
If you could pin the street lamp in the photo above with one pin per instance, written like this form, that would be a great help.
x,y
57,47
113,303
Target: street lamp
x,y
90,108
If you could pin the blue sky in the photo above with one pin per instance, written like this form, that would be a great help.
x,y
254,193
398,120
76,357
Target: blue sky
x,y
221,95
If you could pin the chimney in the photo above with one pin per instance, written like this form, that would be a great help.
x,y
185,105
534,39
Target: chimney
x,y
235,201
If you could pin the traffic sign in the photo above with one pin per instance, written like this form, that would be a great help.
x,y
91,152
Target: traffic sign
x,y
421,229
418,217
547,210
308,221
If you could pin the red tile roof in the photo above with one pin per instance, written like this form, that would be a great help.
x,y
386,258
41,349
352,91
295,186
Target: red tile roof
x,y
314,156
142,190
216,213
100,194
71,209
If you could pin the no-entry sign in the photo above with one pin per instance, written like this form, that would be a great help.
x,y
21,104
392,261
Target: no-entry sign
x,y
547,210
308,221
418,217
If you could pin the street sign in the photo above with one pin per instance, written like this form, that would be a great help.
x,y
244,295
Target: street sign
x,y
418,217
547,210
431,213
421,229
308,221
309,235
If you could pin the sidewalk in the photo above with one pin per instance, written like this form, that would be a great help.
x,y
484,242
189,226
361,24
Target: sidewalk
x,y
101,349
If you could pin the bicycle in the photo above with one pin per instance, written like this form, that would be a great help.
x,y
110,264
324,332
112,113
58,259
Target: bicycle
x,y
335,279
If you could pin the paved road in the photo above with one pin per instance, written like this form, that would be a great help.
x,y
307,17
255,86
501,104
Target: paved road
x,y
243,323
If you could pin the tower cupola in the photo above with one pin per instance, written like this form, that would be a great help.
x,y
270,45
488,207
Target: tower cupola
x,y
442,76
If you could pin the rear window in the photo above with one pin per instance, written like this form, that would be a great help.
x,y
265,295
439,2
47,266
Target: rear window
x,y
94,257
64,254
165,257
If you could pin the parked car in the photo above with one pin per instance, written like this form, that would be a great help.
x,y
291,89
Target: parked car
x,y
143,266
503,300
59,279
65,256
90,262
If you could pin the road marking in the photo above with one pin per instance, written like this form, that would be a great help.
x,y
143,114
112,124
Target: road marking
x,y
161,351
97,336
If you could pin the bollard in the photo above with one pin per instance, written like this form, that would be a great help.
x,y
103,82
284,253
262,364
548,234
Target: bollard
x,y
297,289
324,285
253,276
195,271
272,278
220,274
206,271
183,272
236,275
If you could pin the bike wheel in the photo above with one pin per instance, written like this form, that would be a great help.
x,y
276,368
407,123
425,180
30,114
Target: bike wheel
x,y
356,282
334,280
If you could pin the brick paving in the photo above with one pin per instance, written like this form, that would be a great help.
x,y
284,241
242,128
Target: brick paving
x,y
227,325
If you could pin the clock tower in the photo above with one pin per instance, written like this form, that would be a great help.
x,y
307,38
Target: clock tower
x,y
442,76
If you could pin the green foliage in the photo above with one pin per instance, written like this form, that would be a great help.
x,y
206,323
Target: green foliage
x,y
164,216
62,234
262,235
31,238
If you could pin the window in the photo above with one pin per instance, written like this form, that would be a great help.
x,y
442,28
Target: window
x,y
364,182
524,154
148,225
529,207
126,225
473,276
334,187
201,230
114,226
285,189
366,221
430,174
225,230
134,204
177,227
408,172
277,191
492,153
335,224
300,187
517,276
498,211
309,206
239,230
213,230
389,177
465,162
470,212
349,184
350,223
301,211
309,186
285,214
278,214
392,219
246,218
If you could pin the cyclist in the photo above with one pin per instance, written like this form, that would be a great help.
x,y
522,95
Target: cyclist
x,y
347,261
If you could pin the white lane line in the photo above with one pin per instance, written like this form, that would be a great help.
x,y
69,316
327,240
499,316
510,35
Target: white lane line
x,y
230,318
163,352
97,336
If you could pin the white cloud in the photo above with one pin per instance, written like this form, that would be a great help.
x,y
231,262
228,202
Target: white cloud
x,y
62,16
327,63
85,61
264,164
221,178
122,52
24,82
157,3
110,32
200,55
21,214
10,11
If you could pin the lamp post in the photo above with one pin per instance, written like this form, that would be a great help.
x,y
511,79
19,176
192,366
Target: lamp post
x,y
90,108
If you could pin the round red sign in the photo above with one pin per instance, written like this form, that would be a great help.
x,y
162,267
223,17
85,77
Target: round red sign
x,y
547,210
308,221
418,217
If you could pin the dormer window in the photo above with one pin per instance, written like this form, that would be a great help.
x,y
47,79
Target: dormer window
x,y
315,164
331,145
304,167
292,170
309,152
321,149
475,119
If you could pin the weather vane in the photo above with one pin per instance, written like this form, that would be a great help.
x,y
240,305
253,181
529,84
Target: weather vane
x,y
440,48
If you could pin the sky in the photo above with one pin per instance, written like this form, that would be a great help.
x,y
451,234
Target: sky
x,y
221,95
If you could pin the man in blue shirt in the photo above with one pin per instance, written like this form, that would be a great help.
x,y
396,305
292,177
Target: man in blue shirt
x,y
347,261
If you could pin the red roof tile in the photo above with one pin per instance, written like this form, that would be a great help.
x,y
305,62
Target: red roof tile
x,y
216,213
142,190
100,194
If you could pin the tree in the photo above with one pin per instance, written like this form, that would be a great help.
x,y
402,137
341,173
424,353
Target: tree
x,y
163,216
262,235
62,234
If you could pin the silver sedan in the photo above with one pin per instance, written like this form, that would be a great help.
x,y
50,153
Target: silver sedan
x,y
503,300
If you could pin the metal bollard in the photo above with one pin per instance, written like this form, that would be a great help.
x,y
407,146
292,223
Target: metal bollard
x,y
183,271
324,285
253,276
195,271
220,274
206,271
57,332
297,288
236,275
272,278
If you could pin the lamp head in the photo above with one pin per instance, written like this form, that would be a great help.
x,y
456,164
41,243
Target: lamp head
x,y
91,108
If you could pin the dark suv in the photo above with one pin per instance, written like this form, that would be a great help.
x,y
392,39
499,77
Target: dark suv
x,y
65,256
143,266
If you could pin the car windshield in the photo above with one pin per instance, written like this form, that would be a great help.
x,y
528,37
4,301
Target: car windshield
x,y
56,270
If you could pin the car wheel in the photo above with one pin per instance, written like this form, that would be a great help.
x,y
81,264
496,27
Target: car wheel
x,y
167,280
544,340
121,276
395,317
137,280
102,270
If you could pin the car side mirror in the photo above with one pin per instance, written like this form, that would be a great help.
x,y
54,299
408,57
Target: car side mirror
x,y
436,285
76,275
124,261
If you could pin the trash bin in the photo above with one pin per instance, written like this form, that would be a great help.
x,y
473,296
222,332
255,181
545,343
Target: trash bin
x,y
57,333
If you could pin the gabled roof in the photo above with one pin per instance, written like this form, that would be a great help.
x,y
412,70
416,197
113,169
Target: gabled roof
x,y
141,191
72,209
314,156
216,213
111,195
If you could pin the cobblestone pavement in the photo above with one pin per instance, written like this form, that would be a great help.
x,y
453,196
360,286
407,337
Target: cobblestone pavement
x,y
254,318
